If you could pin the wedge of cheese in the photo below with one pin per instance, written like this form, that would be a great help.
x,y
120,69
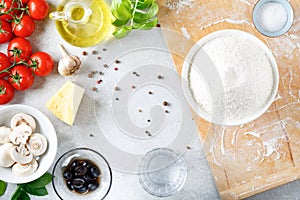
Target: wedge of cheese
x,y
64,104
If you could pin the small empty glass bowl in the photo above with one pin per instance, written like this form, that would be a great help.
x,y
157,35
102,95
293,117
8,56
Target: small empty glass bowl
x,y
273,18
162,172
59,182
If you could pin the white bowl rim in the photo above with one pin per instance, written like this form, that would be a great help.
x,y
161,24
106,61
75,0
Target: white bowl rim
x,y
51,151
185,73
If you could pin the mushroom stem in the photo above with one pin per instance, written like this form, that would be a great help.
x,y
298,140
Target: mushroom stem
x,y
62,50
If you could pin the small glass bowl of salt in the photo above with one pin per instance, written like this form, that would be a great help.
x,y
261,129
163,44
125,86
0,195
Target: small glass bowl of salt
x,y
273,18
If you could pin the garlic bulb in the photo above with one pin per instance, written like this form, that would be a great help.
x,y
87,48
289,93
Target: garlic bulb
x,y
69,64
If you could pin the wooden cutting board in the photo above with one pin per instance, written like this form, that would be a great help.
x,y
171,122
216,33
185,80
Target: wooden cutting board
x,y
262,154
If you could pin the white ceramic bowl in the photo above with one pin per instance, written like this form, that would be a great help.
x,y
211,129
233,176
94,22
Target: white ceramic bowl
x,y
45,127
188,62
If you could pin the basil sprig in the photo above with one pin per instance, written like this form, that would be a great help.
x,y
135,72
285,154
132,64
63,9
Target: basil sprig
x,y
36,187
133,14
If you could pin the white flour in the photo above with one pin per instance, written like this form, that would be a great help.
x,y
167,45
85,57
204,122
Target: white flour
x,y
245,72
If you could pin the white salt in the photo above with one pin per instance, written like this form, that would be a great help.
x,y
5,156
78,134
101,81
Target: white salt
x,y
272,16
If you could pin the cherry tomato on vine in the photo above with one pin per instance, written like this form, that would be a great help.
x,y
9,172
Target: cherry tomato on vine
x,y
7,92
24,2
21,77
5,31
41,63
4,64
19,49
23,25
6,7
38,9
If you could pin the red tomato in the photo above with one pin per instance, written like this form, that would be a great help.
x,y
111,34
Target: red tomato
x,y
21,77
6,5
24,2
7,92
41,63
38,9
5,31
4,64
19,49
23,26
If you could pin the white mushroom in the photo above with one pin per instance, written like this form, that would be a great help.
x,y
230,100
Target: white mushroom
x,y
25,170
21,154
5,158
37,144
22,118
4,134
20,134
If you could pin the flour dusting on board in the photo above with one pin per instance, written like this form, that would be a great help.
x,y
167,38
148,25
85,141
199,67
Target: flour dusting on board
x,y
178,5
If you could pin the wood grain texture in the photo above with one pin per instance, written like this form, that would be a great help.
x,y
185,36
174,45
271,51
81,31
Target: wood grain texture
x,y
242,164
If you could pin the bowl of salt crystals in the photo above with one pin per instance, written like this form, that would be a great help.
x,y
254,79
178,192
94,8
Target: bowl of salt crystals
x,y
230,77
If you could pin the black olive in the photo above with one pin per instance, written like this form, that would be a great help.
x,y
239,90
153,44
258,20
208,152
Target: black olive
x,y
93,186
80,170
74,164
70,186
68,175
95,172
86,163
88,178
78,183
81,189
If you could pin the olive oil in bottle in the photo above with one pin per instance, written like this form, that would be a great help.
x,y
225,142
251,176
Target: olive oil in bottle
x,y
85,22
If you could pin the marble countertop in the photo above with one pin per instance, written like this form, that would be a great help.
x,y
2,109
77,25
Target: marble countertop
x,y
199,183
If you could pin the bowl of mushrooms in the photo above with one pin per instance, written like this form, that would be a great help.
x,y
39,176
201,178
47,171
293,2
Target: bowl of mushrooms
x,y
28,144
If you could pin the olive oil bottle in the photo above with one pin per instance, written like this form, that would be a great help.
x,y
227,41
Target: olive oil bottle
x,y
83,23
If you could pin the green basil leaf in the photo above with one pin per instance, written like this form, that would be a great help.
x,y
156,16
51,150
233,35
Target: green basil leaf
x,y
143,4
119,22
120,10
35,191
20,195
146,26
41,182
3,186
141,17
122,32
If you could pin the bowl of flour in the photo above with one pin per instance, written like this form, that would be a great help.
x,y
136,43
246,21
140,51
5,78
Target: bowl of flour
x,y
230,77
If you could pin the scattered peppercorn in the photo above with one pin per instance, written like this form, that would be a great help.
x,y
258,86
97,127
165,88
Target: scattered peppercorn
x,y
150,92
117,88
160,77
117,61
147,132
84,53
158,25
105,65
90,75
116,69
134,73
188,147
99,81
104,49
148,120
99,57
117,99
94,52
133,87
139,110
91,135
101,73
94,89
165,103
166,111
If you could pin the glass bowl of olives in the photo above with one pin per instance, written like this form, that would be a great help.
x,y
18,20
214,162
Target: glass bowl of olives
x,y
82,173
